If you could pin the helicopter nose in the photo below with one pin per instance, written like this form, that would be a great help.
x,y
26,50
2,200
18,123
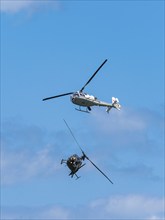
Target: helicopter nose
x,y
72,99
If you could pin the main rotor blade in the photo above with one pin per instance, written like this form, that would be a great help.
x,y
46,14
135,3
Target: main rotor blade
x,y
93,75
73,136
53,97
99,169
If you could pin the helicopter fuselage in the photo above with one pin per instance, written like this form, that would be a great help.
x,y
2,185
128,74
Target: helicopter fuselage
x,y
83,99
86,100
74,163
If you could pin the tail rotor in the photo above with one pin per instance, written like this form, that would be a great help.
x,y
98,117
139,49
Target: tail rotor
x,y
115,104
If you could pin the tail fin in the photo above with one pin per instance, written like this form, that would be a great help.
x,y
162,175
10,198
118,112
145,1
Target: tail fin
x,y
115,100
115,104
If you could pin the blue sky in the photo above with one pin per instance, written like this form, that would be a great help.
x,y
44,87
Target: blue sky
x,y
53,47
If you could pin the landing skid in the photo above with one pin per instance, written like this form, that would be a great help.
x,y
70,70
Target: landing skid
x,y
88,109
77,177
74,173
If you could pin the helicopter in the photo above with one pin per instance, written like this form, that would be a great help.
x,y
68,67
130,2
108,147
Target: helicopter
x,y
83,99
75,162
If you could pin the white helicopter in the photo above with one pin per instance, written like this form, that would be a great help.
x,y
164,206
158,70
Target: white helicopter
x,y
83,99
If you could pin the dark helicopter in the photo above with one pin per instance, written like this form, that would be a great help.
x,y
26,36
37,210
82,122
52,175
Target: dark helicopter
x,y
75,162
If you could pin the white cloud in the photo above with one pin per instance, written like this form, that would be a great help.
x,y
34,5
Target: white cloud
x,y
115,207
20,165
45,212
15,6
130,128
54,212
27,152
137,170
129,207
121,121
